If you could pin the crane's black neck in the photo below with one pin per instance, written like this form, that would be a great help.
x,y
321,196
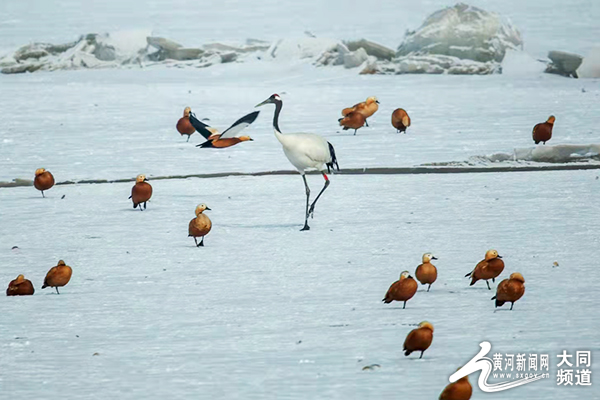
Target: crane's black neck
x,y
278,106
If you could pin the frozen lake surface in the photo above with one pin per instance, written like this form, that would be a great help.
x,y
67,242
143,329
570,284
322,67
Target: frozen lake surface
x,y
265,311
115,124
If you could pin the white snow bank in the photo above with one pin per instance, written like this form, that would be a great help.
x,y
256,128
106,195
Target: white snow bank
x,y
520,63
301,48
437,64
590,67
559,154
465,32
458,33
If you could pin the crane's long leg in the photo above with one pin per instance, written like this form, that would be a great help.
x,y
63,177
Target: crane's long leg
x,y
306,227
312,207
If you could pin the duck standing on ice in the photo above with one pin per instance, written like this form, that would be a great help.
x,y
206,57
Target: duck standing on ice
x,y
367,108
488,268
419,339
511,289
400,120
43,180
402,290
426,273
542,132
353,120
141,192
58,276
184,127
200,226
20,287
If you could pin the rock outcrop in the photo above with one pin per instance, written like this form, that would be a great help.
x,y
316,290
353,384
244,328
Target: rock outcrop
x,y
450,36
563,63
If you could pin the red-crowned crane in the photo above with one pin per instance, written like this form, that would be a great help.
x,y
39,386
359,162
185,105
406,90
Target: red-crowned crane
x,y
305,151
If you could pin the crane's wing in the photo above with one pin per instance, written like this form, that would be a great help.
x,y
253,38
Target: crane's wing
x,y
239,125
200,126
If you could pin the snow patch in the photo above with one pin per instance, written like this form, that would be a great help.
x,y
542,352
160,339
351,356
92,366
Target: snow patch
x,y
590,67
559,154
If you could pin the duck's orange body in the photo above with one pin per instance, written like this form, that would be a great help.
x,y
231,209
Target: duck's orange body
x,y
401,290
200,226
511,289
58,276
184,126
419,339
459,390
20,287
426,273
488,268
353,120
366,108
141,192
400,120
43,180
543,132
217,142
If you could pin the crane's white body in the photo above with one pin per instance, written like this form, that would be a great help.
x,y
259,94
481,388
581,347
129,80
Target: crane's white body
x,y
305,151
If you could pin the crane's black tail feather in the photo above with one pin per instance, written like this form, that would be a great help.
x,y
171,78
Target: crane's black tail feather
x,y
334,160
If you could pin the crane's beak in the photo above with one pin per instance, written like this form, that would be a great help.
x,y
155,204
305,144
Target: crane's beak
x,y
267,101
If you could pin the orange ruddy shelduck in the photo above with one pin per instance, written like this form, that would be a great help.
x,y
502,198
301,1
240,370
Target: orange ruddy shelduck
x,y
353,120
543,132
200,226
511,289
43,180
488,268
459,390
419,339
141,192
215,139
400,120
219,143
366,108
184,127
401,290
20,287
58,276
426,273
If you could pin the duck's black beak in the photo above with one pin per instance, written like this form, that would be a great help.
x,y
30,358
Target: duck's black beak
x,y
252,140
145,179
208,209
434,258
499,256
377,101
